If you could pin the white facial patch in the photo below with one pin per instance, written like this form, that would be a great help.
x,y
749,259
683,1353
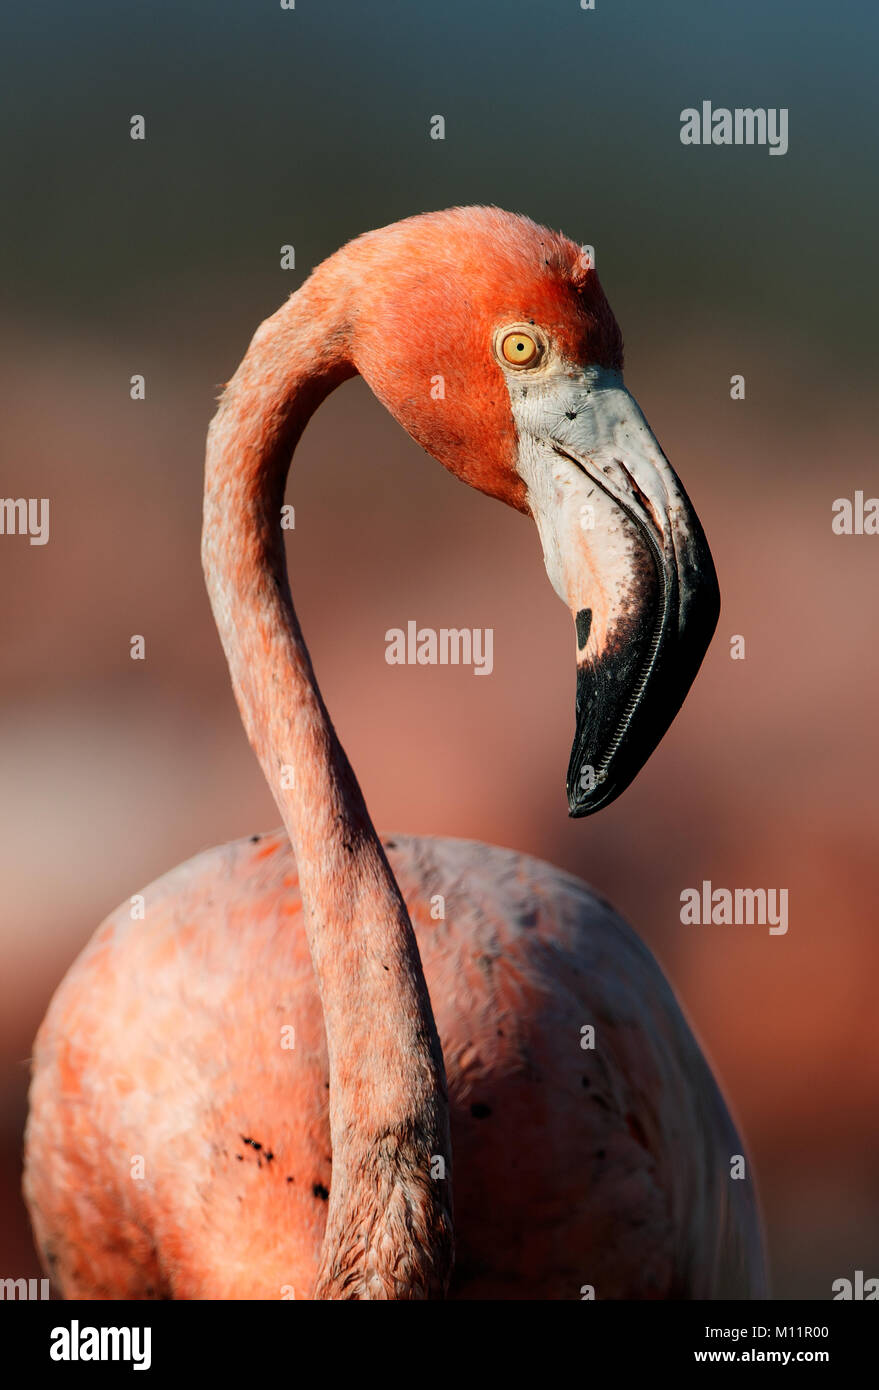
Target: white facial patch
x,y
595,536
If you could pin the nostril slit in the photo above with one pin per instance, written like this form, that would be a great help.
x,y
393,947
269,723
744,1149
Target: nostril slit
x,y
583,623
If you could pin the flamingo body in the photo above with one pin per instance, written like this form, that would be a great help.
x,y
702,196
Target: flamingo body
x,y
179,1140
329,1067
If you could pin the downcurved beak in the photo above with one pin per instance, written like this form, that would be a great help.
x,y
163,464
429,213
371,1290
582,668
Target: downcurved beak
x,y
624,549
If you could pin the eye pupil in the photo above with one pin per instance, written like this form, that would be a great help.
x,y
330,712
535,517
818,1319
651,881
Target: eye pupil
x,y
520,349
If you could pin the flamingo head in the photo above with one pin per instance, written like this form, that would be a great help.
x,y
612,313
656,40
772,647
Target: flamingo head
x,y
490,339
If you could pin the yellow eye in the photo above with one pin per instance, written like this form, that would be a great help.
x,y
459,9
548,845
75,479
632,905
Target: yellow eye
x,y
520,349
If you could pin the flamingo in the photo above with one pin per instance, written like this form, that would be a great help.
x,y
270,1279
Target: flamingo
x,y
258,1090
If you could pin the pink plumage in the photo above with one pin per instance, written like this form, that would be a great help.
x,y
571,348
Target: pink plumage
x,y
328,1065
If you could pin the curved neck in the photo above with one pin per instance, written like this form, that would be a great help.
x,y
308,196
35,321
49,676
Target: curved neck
x,y
389,1232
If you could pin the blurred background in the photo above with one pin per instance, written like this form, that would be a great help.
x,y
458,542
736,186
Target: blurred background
x,y
267,127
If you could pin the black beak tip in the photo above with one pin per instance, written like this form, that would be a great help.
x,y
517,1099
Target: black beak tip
x,y
602,763
585,802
